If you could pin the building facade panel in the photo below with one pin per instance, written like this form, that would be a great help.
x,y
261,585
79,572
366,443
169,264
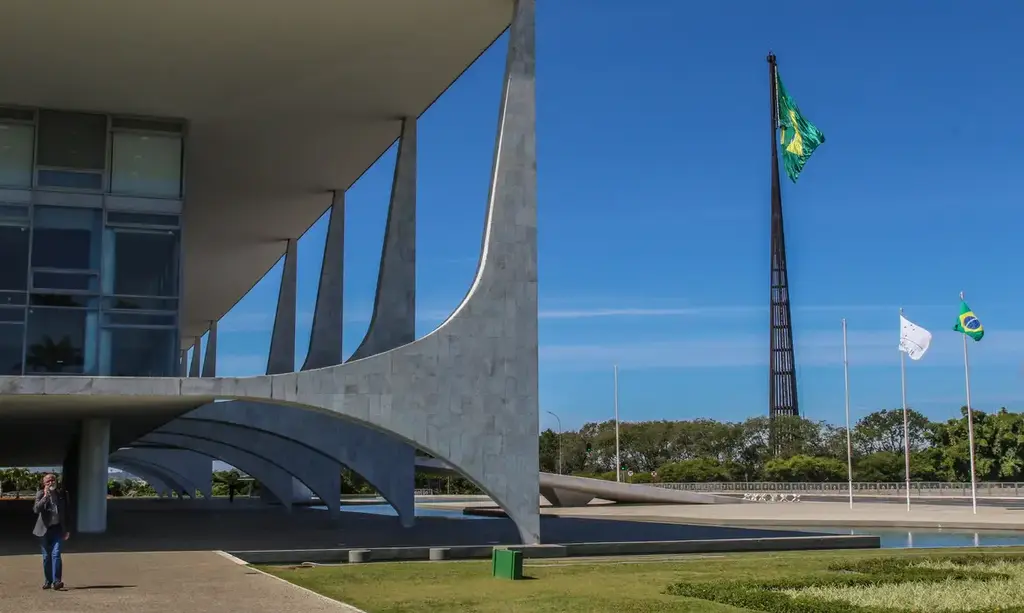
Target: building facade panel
x,y
90,237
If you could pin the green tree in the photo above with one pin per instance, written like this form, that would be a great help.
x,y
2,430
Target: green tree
x,y
883,431
696,470
805,468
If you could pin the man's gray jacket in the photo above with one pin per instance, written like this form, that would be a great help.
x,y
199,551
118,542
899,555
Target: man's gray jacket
x,y
44,512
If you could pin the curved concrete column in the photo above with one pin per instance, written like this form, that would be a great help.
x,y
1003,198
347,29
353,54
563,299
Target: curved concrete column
x,y
393,322
318,472
178,482
193,367
269,475
161,484
282,337
196,468
385,462
210,357
325,336
465,393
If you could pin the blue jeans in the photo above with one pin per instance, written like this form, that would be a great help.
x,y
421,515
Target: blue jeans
x,y
51,544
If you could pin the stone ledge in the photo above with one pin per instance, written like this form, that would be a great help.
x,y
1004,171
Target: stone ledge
x,y
570,550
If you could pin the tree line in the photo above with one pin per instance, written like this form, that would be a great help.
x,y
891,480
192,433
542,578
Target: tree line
x,y
703,450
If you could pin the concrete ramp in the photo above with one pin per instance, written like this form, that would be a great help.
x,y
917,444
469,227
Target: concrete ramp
x,y
569,491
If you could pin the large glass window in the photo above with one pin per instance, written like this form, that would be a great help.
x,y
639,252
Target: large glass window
x,y
146,164
141,352
59,341
13,258
72,140
16,149
11,337
65,238
145,262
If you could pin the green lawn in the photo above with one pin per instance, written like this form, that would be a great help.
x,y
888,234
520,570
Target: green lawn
x,y
580,585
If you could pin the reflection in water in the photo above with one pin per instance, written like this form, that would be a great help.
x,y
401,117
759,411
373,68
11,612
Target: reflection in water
x,y
929,538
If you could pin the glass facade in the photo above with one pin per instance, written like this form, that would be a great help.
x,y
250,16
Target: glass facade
x,y
90,243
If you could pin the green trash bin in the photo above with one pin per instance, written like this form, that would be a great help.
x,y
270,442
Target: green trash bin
x,y
507,564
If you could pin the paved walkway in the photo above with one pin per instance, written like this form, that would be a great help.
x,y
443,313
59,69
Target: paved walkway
x,y
196,582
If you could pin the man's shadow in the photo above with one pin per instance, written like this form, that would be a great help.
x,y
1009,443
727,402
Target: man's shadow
x,y
75,588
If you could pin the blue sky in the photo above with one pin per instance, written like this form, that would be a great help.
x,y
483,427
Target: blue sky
x,y
654,206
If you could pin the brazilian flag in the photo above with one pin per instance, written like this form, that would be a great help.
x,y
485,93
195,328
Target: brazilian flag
x,y
968,323
799,137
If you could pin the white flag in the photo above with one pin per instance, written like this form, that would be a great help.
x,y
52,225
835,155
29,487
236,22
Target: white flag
x,y
914,340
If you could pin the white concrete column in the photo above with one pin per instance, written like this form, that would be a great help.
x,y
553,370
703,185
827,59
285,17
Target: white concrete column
x,y
193,367
210,359
93,456
282,338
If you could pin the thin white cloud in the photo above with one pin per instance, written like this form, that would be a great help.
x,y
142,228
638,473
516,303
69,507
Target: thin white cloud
x,y
710,310
816,348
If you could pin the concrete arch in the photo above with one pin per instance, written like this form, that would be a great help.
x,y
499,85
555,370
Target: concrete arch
x,y
178,482
388,464
467,392
270,476
316,471
157,482
195,468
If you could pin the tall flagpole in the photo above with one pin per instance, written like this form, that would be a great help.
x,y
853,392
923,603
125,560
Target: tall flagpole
x,y
849,440
970,421
618,461
906,422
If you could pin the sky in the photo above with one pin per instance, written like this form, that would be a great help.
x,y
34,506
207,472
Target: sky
x,y
654,207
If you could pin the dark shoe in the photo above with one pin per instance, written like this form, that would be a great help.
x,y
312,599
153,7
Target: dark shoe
x,y
58,585
47,585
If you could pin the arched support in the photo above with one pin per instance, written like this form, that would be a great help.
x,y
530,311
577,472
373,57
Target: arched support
x,y
176,481
318,472
270,476
196,468
161,484
465,393
387,463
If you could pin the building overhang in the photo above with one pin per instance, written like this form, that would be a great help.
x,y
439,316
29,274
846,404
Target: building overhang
x,y
283,102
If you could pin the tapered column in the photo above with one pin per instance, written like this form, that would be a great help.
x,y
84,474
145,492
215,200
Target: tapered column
x,y
210,359
183,364
193,369
393,322
326,334
282,340
93,455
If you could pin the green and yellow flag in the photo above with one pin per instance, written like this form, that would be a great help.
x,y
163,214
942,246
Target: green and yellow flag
x,y
799,137
968,323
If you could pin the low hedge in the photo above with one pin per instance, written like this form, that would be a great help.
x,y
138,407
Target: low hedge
x,y
768,596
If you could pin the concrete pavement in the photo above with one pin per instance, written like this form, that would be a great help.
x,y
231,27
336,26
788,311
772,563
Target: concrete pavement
x,y
165,582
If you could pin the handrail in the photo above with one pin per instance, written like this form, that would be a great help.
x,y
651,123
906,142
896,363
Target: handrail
x,y
991,489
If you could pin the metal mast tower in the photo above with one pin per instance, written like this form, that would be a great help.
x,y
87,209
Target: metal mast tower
x,y
782,399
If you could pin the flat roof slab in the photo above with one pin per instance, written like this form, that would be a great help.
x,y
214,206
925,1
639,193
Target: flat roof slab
x,y
284,101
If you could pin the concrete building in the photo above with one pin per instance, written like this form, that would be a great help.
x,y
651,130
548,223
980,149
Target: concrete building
x,y
154,167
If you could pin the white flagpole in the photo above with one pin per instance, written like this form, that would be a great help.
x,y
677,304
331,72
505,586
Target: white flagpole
x,y
849,440
618,461
970,421
906,425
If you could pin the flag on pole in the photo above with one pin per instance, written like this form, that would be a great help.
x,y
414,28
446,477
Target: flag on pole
x,y
799,137
968,323
914,340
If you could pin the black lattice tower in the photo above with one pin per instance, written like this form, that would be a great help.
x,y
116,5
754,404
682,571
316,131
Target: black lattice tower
x,y
782,399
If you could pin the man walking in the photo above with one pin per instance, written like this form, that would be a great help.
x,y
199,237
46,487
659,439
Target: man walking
x,y
51,517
